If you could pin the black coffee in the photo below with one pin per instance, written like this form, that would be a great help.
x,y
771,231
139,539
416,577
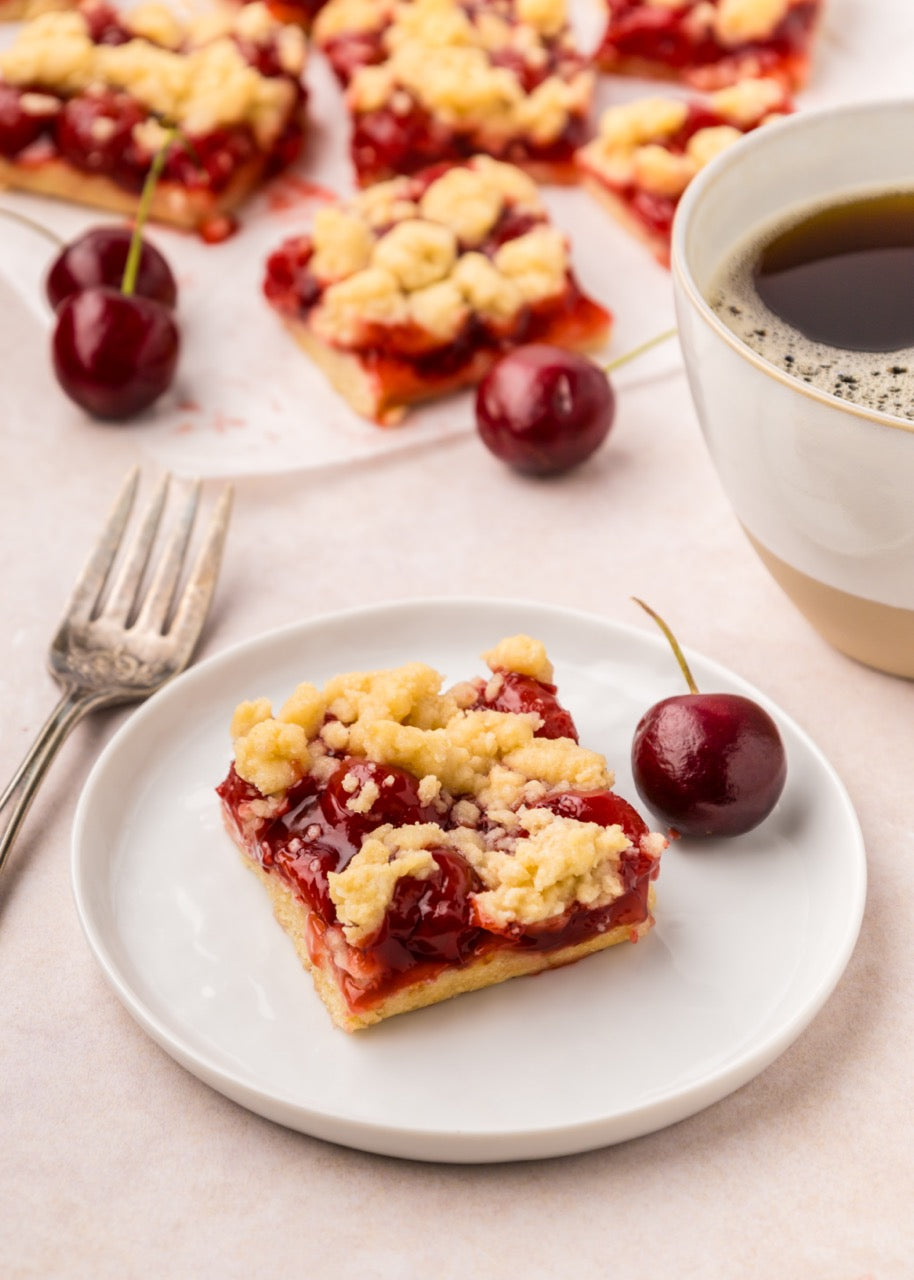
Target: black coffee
x,y
828,295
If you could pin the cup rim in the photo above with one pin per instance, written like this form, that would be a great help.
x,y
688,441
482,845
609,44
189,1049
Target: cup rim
x,y
681,271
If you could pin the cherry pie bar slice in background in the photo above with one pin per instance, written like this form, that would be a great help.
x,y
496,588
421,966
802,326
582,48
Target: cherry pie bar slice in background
x,y
415,287
431,80
711,43
417,844
646,152
88,97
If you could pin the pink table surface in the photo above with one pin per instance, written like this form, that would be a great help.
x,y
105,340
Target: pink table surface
x,y
114,1161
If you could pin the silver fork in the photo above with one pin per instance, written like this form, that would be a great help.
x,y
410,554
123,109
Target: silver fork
x,y
124,647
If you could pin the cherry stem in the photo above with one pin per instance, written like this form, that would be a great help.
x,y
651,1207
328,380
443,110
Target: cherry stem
x,y
673,642
639,350
32,225
132,265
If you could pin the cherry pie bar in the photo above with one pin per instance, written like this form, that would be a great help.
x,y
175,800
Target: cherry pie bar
x,y
416,286
711,43
432,80
417,844
88,97
647,151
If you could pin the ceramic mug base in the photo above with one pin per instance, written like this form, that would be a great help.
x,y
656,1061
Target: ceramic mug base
x,y
878,635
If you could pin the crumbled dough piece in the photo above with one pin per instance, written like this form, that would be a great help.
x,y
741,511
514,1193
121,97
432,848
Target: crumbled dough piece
x,y
522,654
247,714
561,862
704,145
465,200
371,296
662,172
416,252
272,756
440,309
491,295
155,22
748,101
738,21
306,707
547,16
537,262
343,244
646,120
347,17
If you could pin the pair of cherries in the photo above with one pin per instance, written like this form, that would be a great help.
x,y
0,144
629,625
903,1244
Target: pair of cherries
x,y
116,343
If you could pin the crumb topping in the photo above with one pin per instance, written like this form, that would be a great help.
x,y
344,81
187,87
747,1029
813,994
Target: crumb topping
x,y
450,58
387,258
638,142
195,84
522,654
485,769
738,21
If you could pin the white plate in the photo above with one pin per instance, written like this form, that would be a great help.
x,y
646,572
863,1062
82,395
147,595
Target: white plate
x,y
752,934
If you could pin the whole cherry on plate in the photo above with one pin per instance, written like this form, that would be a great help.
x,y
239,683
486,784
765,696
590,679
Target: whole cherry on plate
x,y
709,764
543,410
115,352
99,257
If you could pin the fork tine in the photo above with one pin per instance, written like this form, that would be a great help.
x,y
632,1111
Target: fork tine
x,y
91,582
198,591
158,600
123,596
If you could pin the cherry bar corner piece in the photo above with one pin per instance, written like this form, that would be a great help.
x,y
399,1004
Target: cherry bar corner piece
x,y
88,97
647,151
417,285
418,844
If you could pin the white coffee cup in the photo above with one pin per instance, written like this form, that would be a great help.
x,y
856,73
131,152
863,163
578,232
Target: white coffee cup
x,y
823,488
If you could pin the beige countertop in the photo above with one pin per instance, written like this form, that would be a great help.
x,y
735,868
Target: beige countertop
x,y
117,1162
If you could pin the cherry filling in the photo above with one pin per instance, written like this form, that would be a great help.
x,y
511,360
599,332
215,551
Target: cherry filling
x,y
523,694
656,33
94,132
386,142
18,128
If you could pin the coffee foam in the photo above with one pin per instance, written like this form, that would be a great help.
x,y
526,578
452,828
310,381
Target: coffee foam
x,y
881,381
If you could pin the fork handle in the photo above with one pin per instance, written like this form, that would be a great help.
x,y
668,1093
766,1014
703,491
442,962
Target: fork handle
x,y
20,791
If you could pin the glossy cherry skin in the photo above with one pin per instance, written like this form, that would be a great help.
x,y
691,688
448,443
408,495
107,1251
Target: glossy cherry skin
x,y
113,354
709,764
18,128
99,257
543,410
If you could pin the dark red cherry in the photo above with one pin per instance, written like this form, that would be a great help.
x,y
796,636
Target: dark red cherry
x,y
114,354
99,256
432,917
522,694
393,795
709,764
602,807
18,127
94,131
543,410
